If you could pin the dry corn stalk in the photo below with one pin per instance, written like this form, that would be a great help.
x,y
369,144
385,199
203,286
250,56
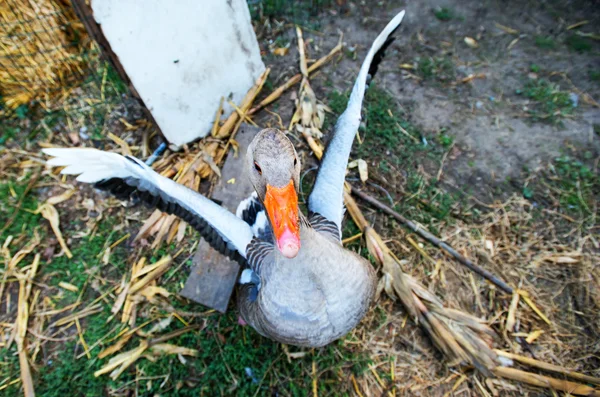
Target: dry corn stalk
x,y
25,286
463,338
234,118
309,115
140,287
547,382
119,363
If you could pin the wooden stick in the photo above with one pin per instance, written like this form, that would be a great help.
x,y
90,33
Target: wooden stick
x,y
547,382
277,93
226,129
322,61
549,367
433,240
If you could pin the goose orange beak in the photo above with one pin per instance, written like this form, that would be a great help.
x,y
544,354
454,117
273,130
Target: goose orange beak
x,y
281,204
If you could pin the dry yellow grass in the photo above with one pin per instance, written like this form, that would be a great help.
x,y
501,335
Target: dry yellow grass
x,y
40,51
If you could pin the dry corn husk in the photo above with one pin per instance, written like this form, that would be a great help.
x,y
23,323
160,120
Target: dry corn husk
x,y
119,363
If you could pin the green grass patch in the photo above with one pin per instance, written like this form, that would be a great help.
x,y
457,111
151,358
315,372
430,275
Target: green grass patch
x,y
301,12
579,186
25,221
445,140
444,14
87,255
578,43
436,68
8,133
545,42
549,103
233,360
571,184
594,75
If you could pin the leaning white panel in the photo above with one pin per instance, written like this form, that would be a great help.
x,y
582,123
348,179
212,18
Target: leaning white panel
x,y
183,56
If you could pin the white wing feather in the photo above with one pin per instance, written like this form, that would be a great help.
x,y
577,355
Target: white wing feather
x,y
95,165
327,195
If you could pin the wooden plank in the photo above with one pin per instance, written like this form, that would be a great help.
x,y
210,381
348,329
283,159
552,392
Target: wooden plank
x,y
213,276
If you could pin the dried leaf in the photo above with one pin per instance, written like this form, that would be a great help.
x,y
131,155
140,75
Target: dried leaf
x,y
529,302
158,327
306,111
489,245
506,29
512,313
564,260
319,118
150,291
471,42
120,300
125,150
167,348
116,347
181,231
512,44
211,163
281,51
124,360
51,214
363,168
297,355
533,336
61,197
68,286
158,269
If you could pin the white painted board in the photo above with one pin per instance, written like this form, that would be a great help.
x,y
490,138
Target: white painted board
x,y
182,56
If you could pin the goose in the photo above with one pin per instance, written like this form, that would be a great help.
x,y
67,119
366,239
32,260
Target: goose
x,y
299,285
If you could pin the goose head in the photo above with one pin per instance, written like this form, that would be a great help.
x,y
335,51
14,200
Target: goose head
x,y
274,170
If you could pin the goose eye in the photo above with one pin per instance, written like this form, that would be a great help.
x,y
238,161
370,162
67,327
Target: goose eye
x,y
257,168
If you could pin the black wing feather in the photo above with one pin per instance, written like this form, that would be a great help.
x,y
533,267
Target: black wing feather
x,y
125,191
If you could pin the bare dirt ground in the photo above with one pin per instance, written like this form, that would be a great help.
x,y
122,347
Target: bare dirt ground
x,y
495,136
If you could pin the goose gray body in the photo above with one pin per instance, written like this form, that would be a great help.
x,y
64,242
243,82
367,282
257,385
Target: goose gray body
x,y
312,299
300,285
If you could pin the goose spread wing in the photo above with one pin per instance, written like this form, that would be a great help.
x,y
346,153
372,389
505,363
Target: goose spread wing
x,y
127,176
326,198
